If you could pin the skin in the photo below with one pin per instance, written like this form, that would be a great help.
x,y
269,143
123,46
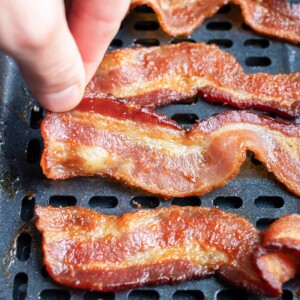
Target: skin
x,y
59,52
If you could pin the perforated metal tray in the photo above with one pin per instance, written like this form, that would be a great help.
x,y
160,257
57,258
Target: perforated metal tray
x,y
254,194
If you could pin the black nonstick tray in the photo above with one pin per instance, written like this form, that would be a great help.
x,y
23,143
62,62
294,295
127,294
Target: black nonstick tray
x,y
254,194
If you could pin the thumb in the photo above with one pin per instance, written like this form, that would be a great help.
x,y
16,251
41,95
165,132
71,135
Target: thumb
x,y
47,54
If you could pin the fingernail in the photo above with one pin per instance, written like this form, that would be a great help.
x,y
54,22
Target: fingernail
x,y
61,101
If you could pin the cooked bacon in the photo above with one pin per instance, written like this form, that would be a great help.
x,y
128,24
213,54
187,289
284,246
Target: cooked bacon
x,y
276,18
147,150
85,249
157,76
181,17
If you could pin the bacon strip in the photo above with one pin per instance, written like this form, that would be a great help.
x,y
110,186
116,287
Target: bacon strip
x,y
181,17
147,150
85,249
157,76
276,18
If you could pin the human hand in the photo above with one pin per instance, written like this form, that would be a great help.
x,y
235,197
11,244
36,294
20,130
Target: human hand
x,y
58,57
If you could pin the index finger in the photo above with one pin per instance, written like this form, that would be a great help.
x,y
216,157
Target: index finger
x,y
94,24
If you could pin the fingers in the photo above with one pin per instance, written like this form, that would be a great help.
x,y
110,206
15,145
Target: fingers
x,y
55,68
94,24
36,33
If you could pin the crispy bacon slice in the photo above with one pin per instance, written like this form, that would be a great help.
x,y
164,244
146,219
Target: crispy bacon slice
x,y
85,249
276,18
147,150
181,17
157,76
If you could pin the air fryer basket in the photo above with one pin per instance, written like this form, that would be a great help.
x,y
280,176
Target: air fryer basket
x,y
254,194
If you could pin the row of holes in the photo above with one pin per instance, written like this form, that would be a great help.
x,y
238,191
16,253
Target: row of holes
x,y
21,284
154,25
28,204
148,10
212,26
222,43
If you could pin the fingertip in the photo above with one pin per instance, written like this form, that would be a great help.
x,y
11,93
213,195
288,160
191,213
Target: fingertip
x,y
61,101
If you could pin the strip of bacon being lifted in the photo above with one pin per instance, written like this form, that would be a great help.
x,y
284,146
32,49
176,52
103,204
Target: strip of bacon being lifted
x,y
276,18
85,249
114,137
157,76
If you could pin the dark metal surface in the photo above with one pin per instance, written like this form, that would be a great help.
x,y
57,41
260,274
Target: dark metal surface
x,y
254,194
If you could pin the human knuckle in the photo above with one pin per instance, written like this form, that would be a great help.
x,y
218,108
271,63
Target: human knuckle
x,y
35,37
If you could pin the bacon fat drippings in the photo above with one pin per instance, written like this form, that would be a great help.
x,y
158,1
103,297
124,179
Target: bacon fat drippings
x,y
276,18
114,137
85,249
157,76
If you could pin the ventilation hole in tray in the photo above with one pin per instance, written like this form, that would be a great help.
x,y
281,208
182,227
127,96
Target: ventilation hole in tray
x,y
115,44
23,246
264,223
103,202
258,61
147,42
246,27
228,202
54,294
143,294
269,202
98,295
232,295
144,201
187,201
185,119
188,295
255,161
44,272
36,117
27,209
57,201
219,26
34,151
20,286
257,43
146,25
286,295
144,9
181,40
222,43
224,9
